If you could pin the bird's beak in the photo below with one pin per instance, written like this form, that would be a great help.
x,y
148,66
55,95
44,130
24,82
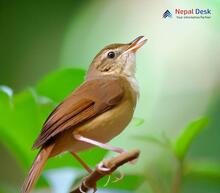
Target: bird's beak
x,y
136,44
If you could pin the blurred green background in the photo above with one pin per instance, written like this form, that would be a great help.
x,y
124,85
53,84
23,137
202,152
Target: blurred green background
x,y
45,49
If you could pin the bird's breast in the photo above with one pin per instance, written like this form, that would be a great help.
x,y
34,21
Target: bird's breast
x,y
109,124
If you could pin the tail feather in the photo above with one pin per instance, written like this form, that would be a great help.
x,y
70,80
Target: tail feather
x,y
36,169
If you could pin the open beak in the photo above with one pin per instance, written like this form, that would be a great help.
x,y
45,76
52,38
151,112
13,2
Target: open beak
x,y
136,44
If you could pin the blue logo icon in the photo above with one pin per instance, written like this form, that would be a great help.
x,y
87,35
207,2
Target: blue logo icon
x,y
167,13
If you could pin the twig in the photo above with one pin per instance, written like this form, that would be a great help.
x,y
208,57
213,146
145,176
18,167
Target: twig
x,y
105,168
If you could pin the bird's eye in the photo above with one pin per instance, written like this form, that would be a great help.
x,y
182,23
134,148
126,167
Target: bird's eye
x,y
111,54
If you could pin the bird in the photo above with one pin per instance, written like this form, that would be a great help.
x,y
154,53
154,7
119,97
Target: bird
x,y
94,113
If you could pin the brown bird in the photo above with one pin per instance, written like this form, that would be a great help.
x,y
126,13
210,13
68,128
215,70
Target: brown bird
x,y
97,111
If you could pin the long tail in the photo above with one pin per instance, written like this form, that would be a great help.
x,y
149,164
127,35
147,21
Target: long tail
x,y
36,169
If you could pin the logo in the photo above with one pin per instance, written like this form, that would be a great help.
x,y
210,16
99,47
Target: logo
x,y
167,13
193,13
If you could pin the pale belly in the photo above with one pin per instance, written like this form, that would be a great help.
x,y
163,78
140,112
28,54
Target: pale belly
x,y
102,128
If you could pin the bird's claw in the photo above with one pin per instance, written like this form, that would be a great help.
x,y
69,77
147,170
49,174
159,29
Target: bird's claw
x,y
102,168
88,188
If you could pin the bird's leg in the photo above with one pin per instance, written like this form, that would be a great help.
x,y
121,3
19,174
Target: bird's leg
x,y
99,144
87,168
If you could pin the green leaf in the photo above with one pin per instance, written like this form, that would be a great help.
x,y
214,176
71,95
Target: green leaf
x,y
57,85
184,140
151,139
203,168
7,90
16,123
6,94
137,121
161,139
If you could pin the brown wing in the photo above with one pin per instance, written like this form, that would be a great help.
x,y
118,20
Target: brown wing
x,y
89,100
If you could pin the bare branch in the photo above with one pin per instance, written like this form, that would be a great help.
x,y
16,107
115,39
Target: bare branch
x,y
104,168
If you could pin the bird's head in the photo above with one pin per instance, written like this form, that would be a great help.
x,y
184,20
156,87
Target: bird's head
x,y
116,59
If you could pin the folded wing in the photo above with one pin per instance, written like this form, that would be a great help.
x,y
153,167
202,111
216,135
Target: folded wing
x,y
89,100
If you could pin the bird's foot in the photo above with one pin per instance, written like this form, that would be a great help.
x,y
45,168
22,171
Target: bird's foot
x,y
83,185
